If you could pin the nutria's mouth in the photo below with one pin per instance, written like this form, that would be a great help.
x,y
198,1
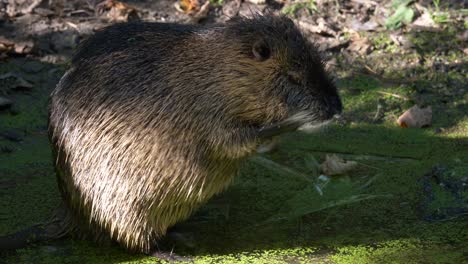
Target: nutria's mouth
x,y
312,123
313,127
303,121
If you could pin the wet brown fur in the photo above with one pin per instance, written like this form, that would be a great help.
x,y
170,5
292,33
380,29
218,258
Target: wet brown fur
x,y
152,120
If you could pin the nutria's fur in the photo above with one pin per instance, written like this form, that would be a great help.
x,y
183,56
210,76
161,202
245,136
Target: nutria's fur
x,y
152,119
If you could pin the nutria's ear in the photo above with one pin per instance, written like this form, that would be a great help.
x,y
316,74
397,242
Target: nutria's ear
x,y
261,50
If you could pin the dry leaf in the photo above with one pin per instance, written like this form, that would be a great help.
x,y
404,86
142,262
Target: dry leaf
x,y
3,47
188,6
6,42
321,27
24,47
361,46
23,7
416,117
202,13
231,8
43,12
370,25
425,21
401,41
118,11
334,165
358,43
257,2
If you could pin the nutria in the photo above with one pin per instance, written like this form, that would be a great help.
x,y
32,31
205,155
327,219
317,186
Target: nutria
x,y
153,119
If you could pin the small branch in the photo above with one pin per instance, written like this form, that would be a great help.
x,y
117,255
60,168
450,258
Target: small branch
x,y
31,7
394,95
354,156
369,69
369,2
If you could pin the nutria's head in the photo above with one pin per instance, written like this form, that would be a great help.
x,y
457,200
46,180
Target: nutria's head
x,y
278,73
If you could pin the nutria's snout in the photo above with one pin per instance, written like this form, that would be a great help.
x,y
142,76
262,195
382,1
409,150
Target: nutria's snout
x,y
322,110
320,115
308,115
318,98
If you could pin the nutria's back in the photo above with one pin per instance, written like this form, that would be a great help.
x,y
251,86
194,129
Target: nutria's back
x,y
153,119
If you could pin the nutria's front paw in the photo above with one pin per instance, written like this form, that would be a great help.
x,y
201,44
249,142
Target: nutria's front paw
x,y
170,257
181,239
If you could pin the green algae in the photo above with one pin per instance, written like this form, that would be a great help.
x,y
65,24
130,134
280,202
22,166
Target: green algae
x,y
399,251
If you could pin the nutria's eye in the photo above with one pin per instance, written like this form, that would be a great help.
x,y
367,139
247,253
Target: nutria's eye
x,y
295,77
261,50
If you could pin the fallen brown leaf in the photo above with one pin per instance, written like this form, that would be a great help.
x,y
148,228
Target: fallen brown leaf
x,y
361,46
332,44
188,6
257,2
334,165
118,11
416,117
44,12
6,42
21,7
202,13
425,21
321,27
231,8
4,48
370,25
24,47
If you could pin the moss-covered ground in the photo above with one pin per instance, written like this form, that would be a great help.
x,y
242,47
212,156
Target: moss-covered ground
x,y
407,201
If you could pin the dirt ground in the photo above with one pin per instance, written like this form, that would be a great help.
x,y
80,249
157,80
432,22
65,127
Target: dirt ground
x,y
406,201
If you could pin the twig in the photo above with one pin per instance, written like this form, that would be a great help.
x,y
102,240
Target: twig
x,y
370,2
202,13
73,25
31,7
394,95
365,157
379,112
369,69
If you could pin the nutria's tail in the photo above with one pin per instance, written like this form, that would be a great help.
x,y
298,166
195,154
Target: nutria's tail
x,y
59,225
